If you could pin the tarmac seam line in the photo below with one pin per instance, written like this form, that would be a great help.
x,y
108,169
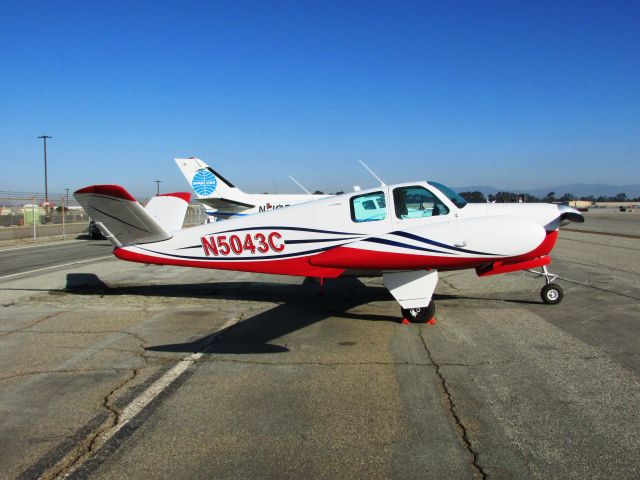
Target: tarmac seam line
x,y
613,292
487,363
64,371
452,409
10,249
56,266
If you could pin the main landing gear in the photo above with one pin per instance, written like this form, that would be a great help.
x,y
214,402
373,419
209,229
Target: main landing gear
x,y
420,315
413,291
551,293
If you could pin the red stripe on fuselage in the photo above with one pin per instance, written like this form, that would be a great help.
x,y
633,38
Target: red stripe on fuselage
x,y
360,259
287,266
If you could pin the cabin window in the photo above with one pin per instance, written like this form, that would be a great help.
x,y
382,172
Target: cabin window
x,y
417,202
369,207
455,197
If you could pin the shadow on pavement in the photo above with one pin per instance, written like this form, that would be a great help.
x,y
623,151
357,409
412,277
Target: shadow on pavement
x,y
299,306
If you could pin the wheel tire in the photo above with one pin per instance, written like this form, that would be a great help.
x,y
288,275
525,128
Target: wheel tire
x,y
419,315
551,294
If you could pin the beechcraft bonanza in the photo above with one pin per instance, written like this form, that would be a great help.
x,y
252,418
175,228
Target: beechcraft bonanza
x,y
223,200
405,233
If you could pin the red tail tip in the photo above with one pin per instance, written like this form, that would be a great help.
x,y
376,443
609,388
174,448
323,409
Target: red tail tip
x,y
186,196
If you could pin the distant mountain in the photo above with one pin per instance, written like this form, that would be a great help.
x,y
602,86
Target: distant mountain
x,y
576,189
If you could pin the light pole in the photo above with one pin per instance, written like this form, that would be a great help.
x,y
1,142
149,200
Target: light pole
x,y
67,197
46,186
158,186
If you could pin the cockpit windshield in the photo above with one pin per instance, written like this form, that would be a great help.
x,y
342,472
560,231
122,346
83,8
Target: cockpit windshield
x,y
457,200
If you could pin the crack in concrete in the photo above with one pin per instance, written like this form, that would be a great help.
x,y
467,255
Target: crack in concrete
x,y
91,443
452,409
88,444
112,349
4,333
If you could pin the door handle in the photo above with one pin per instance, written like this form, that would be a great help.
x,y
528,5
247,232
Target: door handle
x,y
460,243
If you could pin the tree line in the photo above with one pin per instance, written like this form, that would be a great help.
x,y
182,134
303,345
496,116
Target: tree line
x,y
509,197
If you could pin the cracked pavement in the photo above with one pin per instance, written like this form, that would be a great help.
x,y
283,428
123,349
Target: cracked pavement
x,y
304,383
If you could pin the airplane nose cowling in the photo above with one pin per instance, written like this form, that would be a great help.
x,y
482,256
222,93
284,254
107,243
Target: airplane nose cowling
x,y
503,235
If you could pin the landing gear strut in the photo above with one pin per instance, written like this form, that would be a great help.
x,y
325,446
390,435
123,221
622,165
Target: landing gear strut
x,y
551,293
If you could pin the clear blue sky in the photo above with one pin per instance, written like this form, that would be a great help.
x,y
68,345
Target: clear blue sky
x,y
507,94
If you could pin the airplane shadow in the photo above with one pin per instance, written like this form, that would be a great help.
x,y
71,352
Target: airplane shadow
x,y
298,306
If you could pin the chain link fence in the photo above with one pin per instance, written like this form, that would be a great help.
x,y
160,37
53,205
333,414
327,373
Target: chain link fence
x,y
24,216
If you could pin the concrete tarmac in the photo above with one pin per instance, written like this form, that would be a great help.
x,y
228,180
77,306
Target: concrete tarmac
x,y
23,259
271,377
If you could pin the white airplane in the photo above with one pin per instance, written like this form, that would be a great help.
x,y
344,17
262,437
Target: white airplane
x,y
224,200
405,233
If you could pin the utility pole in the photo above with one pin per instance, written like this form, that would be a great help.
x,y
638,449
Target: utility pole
x,y
158,186
46,185
67,197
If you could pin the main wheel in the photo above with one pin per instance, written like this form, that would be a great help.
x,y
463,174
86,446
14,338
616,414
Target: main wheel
x,y
551,294
419,315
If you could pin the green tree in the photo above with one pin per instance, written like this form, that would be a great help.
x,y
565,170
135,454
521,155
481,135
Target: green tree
x,y
566,197
473,197
620,197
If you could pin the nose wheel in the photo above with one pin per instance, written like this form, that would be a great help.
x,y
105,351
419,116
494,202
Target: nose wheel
x,y
551,293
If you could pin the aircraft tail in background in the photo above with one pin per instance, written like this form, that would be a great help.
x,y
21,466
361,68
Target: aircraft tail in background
x,y
205,181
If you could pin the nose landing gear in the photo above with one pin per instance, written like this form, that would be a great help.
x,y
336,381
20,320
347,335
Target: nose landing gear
x,y
551,293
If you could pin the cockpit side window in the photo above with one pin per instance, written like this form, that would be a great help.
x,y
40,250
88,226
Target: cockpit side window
x,y
369,207
417,202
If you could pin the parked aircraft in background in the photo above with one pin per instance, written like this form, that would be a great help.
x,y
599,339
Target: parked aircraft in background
x,y
223,200
405,233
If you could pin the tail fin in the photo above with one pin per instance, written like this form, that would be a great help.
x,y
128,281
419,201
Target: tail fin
x,y
169,209
122,220
205,181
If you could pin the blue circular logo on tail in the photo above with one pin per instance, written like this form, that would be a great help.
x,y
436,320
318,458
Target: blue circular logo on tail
x,y
204,182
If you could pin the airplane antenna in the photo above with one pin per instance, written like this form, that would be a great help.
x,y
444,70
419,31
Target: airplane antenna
x,y
274,185
382,184
300,185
